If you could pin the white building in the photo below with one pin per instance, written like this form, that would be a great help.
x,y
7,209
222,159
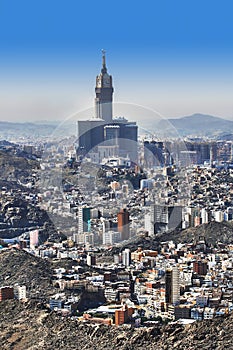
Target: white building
x,y
34,238
20,292
149,223
111,237
218,216
126,257
84,238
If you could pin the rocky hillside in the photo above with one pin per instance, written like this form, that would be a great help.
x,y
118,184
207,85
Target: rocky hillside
x,y
134,243
213,233
18,216
14,168
28,327
18,266
19,209
22,268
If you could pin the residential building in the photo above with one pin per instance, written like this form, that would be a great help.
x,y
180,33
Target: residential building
x,y
6,293
172,285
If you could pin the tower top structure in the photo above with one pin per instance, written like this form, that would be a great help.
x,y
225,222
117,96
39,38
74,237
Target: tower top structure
x,y
104,92
104,68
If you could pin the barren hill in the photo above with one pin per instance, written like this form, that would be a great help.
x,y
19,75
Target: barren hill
x,y
28,327
213,233
18,266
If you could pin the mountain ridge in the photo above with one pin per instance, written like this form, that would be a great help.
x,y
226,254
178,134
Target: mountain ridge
x,y
196,124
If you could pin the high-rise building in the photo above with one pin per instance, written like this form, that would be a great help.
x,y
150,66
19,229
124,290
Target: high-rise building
x,y
161,218
34,238
172,285
122,315
84,215
104,92
101,136
204,151
126,257
123,223
111,237
153,154
91,259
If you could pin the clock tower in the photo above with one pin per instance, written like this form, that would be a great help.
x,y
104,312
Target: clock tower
x,y
103,91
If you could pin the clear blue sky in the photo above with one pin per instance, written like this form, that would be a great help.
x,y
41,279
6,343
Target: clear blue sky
x,y
173,56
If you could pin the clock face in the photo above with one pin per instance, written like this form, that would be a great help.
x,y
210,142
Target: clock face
x,y
106,82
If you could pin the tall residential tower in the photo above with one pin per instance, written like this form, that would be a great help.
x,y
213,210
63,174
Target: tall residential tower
x,y
172,285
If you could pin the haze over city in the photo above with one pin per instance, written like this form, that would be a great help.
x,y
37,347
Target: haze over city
x,y
172,57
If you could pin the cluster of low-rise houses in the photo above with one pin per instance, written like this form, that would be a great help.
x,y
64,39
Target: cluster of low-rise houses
x,y
177,281
185,281
193,195
182,282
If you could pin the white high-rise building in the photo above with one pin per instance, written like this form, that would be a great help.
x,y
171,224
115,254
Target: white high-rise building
x,y
149,222
204,216
126,257
34,238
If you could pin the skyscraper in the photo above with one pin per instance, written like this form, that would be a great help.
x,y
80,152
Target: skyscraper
x,y
162,218
126,257
103,136
84,215
34,238
123,223
172,285
104,92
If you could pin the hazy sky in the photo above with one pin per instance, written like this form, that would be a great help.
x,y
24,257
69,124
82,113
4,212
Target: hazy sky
x,y
175,57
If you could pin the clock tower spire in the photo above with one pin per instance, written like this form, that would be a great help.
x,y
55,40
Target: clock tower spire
x,y
104,68
104,92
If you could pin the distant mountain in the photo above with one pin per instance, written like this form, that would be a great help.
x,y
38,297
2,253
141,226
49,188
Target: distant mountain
x,y
196,124
16,130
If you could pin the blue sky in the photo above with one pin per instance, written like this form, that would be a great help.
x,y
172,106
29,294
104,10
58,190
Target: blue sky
x,y
173,56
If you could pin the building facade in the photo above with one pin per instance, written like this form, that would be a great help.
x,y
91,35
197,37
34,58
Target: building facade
x,y
172,285
123,223
6,293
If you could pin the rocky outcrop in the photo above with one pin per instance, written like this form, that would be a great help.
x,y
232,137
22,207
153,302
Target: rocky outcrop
x,y
19,208
20,267
19,216
30,327
212,233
